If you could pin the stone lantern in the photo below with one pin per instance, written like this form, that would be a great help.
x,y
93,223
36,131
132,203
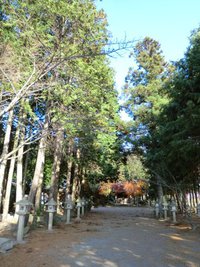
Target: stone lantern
x,y
68,207
86,204
83,203
51,208
78,205
165,208
174,212
22,208
157,210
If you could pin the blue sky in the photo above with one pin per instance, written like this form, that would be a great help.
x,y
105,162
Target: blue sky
x,y
170,22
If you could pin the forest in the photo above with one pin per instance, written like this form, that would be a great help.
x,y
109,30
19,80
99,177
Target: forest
x,y
60,127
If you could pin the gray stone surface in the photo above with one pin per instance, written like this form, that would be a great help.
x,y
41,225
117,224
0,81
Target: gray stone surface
x,y
6,244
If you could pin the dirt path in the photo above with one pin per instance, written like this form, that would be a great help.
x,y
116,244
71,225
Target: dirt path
x,y
109,237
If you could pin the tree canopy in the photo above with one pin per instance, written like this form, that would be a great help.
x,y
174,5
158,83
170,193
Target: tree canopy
x,y
163,101
60,128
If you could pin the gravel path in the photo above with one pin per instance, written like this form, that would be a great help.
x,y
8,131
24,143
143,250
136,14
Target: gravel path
x,y
110,237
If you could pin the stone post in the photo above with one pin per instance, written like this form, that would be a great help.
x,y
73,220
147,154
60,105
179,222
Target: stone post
x,y
20,229
50,221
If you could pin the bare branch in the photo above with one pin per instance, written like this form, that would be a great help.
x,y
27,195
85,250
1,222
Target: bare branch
x,y
19,94
15,157
53,65
32,139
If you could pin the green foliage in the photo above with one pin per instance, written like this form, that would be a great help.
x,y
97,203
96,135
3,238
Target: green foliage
x,y
51,51
144,87
165,104
179,130
135,167
47,171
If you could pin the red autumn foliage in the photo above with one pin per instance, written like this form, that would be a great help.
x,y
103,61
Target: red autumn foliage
x,y
118,188
130,188
133,188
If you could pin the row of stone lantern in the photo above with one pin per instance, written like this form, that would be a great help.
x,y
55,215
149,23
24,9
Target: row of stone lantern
x,y
68,206
164,209
24,206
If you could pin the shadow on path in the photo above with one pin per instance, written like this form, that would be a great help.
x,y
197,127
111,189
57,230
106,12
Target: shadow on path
x,y
114,237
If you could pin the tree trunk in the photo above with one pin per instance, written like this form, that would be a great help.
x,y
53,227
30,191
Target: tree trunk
x,y
193,200
76,181
39,191
160,190
69,169
56,164
25,168
39,162
3,161
195,187
19,182
10,177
